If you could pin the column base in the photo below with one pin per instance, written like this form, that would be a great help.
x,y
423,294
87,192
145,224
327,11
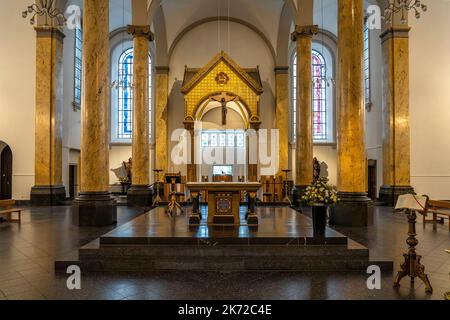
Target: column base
x,y
297,193
139,196
94,209
47,195
353,209
389,194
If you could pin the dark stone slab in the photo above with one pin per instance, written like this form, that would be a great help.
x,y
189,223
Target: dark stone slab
x,y
94,210
352,210
139,196
389,194
47,195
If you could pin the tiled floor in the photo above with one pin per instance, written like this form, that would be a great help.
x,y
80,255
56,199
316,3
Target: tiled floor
x,y
27,253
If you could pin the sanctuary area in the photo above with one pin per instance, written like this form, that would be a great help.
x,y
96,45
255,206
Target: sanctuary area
x,y
226,149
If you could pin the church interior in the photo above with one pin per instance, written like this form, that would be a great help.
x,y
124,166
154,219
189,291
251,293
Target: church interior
x,y
224,149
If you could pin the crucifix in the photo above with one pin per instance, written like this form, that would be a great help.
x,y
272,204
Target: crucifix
x,y
224,99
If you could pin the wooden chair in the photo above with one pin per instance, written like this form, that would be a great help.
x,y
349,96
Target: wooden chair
x,y
7,209
440,211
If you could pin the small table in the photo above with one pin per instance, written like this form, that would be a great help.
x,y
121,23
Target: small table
x,y
224,202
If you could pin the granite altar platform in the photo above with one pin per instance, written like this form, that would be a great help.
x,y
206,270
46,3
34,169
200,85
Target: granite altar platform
x,y
283,241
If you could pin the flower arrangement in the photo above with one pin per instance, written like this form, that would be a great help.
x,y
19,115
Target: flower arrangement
x,y
320,192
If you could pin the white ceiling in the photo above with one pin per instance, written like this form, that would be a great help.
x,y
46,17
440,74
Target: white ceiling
x,y
263,14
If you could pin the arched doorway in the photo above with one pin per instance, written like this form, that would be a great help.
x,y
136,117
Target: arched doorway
x,y
5,171
223,138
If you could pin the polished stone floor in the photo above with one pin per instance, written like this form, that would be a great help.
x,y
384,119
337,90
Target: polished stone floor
x,y
27,254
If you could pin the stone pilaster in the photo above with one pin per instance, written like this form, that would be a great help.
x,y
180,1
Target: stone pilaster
x,y
282,116
140,193
396,127
354,207
95,206
191,166
161,124
48,189
304,135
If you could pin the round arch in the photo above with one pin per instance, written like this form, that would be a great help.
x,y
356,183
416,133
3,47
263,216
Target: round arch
x,y
214,19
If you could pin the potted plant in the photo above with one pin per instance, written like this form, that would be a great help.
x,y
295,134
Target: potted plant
x,y
320,196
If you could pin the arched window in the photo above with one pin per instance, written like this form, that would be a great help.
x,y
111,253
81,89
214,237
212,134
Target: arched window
x,y
124,109
322,102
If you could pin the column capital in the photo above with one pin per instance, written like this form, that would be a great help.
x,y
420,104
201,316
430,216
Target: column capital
x,y
51,32
162,69
281,70
140,31
395,32
304,31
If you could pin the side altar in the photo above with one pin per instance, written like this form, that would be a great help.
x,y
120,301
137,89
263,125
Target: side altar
x,y
224,202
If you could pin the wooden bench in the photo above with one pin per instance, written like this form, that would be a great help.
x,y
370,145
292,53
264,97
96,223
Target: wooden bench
x,y
440,211
7,210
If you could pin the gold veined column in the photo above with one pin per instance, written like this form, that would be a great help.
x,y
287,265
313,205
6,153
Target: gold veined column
x,y
396,129
48,189
94,205
140,193
304,138
354,207
161,142
282,117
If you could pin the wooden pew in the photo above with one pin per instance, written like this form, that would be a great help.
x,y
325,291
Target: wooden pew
x,y
439,209
6,210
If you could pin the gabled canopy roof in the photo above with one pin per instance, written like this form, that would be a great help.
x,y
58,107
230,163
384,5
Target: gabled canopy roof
x,y
193,76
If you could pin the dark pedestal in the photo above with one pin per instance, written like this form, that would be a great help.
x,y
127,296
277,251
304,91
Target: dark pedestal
x,y
47,195
352,210
139,196
297,193
94,209
319,217
389,194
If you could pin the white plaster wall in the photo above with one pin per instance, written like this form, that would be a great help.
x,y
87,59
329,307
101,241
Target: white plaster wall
x,y
17,93
430,100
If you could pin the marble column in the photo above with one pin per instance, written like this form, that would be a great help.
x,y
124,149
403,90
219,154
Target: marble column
x,y
140,194
304,134
48,188
282,116
191,166
161,121
354,207
95,206
396,129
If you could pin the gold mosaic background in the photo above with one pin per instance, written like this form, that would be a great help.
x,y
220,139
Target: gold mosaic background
x,y
208,86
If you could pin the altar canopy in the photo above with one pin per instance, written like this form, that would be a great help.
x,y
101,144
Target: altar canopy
x,y
222,80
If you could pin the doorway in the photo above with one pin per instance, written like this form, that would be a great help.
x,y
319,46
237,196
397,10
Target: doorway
x,y
5,173
73,183
372,179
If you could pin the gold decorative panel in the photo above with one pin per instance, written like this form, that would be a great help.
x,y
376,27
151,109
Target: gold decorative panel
x,y
221,74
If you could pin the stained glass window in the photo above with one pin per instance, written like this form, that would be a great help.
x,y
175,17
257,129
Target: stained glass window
x,y
230,139
78,64
367,62
319,97
125,96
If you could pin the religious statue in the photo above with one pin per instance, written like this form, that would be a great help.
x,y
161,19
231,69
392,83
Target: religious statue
x,y
224,99
316,170
128,165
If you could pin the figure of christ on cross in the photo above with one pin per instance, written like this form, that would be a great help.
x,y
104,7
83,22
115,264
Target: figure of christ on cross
x,y
224,99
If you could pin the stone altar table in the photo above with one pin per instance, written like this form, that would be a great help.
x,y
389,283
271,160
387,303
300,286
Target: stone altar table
x,y
224,201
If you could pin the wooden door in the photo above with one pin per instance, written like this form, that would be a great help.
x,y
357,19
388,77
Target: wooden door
x,y
6,174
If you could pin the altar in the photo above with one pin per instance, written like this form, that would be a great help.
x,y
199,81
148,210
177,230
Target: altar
x,y
223,202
